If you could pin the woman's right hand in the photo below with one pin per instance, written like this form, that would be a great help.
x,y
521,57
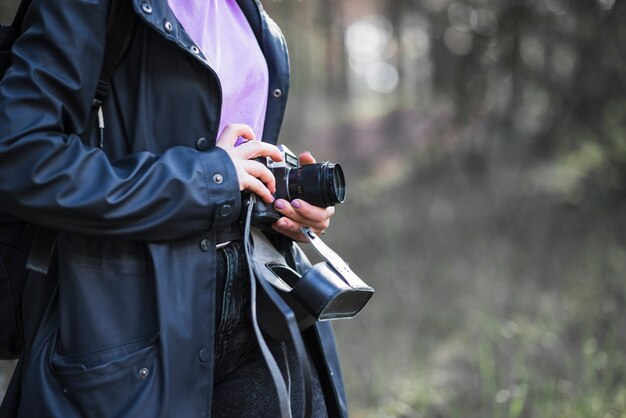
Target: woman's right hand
x,y
253,175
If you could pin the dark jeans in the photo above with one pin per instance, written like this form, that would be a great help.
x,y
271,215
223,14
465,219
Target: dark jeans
x,y
243,386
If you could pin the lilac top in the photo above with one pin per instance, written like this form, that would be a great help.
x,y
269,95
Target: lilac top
x,y
222,32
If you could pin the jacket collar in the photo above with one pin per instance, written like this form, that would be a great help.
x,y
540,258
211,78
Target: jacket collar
x,y
158,15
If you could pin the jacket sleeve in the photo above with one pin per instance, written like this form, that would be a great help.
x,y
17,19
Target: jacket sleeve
x,y
49,177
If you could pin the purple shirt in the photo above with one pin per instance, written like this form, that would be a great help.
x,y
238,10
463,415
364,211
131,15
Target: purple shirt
x,y
222,32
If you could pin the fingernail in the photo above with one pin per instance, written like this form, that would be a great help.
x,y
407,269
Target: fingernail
x,y
280,204
296,204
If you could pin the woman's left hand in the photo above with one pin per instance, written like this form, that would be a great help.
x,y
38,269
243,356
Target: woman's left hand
x,y
298,213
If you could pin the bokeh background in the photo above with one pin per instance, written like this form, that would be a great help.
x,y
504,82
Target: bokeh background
x,y
484,144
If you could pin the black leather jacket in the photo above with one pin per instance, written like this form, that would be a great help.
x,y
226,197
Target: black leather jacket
x,y
136,289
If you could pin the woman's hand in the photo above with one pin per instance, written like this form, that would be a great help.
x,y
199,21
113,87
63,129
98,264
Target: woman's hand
x,y
253,175
299,213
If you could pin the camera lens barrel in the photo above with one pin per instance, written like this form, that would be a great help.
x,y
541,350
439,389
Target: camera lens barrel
x,y
321,184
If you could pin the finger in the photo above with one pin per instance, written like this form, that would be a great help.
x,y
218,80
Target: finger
x,y
261,172
316,218
285,209
312,212
257,187
289,228
304,212
306,158
232,132
254,149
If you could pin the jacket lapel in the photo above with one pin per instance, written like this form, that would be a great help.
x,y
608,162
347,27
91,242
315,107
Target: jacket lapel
x,y
159,16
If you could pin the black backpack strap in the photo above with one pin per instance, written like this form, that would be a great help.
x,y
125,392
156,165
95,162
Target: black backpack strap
x,y
21,12
121,25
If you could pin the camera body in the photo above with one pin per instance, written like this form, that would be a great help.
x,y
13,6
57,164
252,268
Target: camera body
x,y
320,184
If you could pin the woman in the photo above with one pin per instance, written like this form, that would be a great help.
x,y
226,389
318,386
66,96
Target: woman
x,y
149,317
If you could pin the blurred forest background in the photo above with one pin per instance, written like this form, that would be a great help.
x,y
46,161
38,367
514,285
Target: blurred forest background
x,y
484,144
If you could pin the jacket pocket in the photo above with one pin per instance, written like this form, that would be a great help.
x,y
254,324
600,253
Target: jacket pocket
x,y
114,382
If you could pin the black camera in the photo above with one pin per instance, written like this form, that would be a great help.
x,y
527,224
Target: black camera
x,y
320,184
326,291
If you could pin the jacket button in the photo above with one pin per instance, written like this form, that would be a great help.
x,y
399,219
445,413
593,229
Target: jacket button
x,y
225,211
194,49
277,93
202,144
168,26
204,355
143,372
204,245
218,178
146,8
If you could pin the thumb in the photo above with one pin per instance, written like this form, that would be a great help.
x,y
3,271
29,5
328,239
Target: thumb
x,y
306,158
232,132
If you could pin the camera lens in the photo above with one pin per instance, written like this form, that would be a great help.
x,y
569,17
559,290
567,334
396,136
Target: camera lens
x,y
335,183
321,184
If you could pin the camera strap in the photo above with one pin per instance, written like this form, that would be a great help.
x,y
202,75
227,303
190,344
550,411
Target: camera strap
x,y
257,276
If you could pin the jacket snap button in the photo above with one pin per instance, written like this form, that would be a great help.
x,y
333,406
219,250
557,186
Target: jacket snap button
x,y
218,178
204,245
194,49
225,211
143,372
277,93
204,355
168,26
202,144
146,8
